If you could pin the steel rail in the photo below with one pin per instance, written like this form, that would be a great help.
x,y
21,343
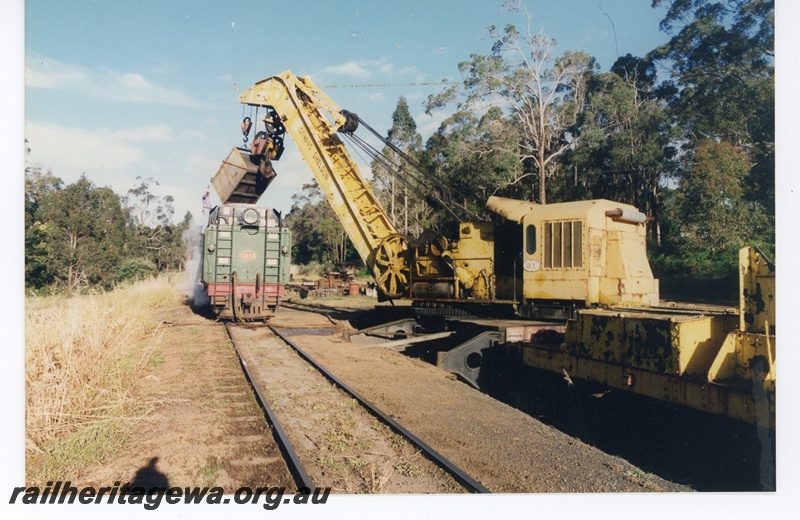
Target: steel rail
x,y
460,476
296,468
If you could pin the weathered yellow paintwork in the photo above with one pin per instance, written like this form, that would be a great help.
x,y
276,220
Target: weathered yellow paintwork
x,y
709,359
674,344
313,119
748,353
578,253
589,254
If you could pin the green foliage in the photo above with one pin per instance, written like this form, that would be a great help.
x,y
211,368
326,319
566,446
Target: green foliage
x,y
79,236
37,185
623,152
133,269
712,212
694,262
476,158
397,186
722,87
317,235
85,234
152,233
692,146
543,93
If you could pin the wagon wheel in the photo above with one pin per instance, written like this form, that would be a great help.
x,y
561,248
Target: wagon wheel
x,y
391,268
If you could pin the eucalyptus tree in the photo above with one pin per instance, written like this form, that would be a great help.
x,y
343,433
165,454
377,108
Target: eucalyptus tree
x,y
720,84
542,91
714,214
38,185
625,151
317,234
85,228
407,211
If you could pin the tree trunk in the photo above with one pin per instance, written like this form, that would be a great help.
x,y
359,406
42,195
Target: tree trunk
x,y
542,181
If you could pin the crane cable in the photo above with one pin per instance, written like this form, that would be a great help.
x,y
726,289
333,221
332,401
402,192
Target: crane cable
x,y
396,171
441,199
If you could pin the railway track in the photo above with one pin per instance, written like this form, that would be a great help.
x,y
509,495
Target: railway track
x,y
329,435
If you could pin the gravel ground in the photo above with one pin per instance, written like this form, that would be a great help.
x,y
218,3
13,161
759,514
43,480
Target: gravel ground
x,y
204,428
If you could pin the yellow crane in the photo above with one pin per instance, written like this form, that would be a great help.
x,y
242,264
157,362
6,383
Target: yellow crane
x,y
313,120
580,266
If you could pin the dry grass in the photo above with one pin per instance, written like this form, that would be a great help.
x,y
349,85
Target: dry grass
x,y
82,358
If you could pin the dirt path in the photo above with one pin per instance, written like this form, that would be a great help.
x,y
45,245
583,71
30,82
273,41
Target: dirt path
x,y
204,427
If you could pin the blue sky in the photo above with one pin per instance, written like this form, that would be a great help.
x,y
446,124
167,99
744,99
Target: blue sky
x,y
119,89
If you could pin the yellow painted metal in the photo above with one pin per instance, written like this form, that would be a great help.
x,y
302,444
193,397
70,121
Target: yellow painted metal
x,y
757,291
674,344
701,357
735,401
473,257
581,254
313,119
510,209
748,353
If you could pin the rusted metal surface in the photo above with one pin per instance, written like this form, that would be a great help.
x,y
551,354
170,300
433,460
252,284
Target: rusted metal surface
x,y
674,344
757,291
743,402
710,359
241,179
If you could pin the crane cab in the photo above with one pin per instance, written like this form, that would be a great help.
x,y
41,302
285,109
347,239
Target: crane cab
x,y
576,255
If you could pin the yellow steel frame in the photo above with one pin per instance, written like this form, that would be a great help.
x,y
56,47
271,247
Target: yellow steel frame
x,y
313,119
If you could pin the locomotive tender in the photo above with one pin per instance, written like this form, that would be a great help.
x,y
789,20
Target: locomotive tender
x,y
246,261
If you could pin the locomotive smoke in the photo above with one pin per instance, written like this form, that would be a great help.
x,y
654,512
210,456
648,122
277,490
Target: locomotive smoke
x,y
193,237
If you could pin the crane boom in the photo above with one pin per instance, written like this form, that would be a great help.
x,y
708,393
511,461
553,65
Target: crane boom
x,y
313,120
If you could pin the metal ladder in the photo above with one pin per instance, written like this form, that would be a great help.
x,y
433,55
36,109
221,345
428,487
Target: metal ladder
x,y
224,249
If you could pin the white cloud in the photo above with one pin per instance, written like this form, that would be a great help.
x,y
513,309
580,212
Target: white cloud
x,y
72,151
292,170
45,73
49,74
428,125
366,69
353,69
105,156
115,158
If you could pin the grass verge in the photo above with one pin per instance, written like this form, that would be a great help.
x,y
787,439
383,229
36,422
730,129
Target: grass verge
x,y
83,357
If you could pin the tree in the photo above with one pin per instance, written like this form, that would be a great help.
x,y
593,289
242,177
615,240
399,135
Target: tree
x,y
85,230
385,170
317,234
470,154
721,84
713,213
544,93
624,152
153,235
37,186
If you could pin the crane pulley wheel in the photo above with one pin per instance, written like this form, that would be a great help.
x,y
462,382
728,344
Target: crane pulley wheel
x,y
391,268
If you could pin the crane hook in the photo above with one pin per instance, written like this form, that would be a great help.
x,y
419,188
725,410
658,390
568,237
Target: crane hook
x,y
247,123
